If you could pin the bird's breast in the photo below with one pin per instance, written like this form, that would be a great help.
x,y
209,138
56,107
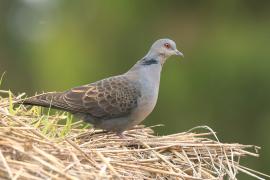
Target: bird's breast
x,y
146,104
148,99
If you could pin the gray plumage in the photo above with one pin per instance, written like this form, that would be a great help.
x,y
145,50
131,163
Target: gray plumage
x,y
116,103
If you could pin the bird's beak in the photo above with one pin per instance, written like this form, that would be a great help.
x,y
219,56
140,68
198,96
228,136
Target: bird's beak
x,y
178,53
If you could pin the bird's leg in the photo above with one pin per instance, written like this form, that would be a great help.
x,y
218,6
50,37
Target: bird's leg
x,y
121,135
131,142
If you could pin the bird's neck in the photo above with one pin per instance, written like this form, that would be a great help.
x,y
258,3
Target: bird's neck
x,y
158,57
150,61
147,70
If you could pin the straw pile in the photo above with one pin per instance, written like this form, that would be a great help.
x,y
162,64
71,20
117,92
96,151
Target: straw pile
x,y
36,146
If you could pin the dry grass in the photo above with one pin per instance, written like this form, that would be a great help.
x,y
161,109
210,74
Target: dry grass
x,y
36,146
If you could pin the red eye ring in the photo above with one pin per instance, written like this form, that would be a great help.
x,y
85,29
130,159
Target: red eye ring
x,y
167,45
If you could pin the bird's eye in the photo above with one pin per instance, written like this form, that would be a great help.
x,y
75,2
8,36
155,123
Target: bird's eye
x,y
167,45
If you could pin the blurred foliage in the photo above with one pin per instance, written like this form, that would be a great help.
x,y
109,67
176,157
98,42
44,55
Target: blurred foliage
x,y
223,81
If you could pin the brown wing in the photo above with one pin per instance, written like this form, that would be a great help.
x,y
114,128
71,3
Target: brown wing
x,y
108,98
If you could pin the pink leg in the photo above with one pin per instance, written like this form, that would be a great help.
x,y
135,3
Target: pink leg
x,y
121,135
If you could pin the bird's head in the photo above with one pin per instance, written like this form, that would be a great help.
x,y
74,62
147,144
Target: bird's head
x,y
163,48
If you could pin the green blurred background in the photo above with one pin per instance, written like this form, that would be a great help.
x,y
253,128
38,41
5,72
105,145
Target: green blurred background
x,y
223,81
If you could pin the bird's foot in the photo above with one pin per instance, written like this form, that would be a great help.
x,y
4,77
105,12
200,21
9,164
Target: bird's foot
x,y
121,135
128,141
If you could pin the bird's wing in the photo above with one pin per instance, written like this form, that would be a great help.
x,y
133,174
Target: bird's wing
x,y
108,98
111,97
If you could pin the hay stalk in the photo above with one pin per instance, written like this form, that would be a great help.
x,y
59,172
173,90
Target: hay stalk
x,y
35,146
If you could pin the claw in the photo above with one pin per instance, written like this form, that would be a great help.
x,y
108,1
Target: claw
x,y
121,135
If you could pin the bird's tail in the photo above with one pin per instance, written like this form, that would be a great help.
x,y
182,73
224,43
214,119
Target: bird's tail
x,y
50,99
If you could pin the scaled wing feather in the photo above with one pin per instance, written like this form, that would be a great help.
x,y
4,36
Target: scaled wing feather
x,y
109,98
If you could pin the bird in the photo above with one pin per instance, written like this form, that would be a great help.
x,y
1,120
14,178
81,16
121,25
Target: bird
x,y
116,103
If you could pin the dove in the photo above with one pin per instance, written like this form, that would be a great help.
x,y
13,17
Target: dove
x,y
119,102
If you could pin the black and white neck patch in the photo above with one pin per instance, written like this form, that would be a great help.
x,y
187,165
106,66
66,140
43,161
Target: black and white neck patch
x,y
149,62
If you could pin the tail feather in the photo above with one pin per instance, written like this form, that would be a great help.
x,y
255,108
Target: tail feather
x,y
51,99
